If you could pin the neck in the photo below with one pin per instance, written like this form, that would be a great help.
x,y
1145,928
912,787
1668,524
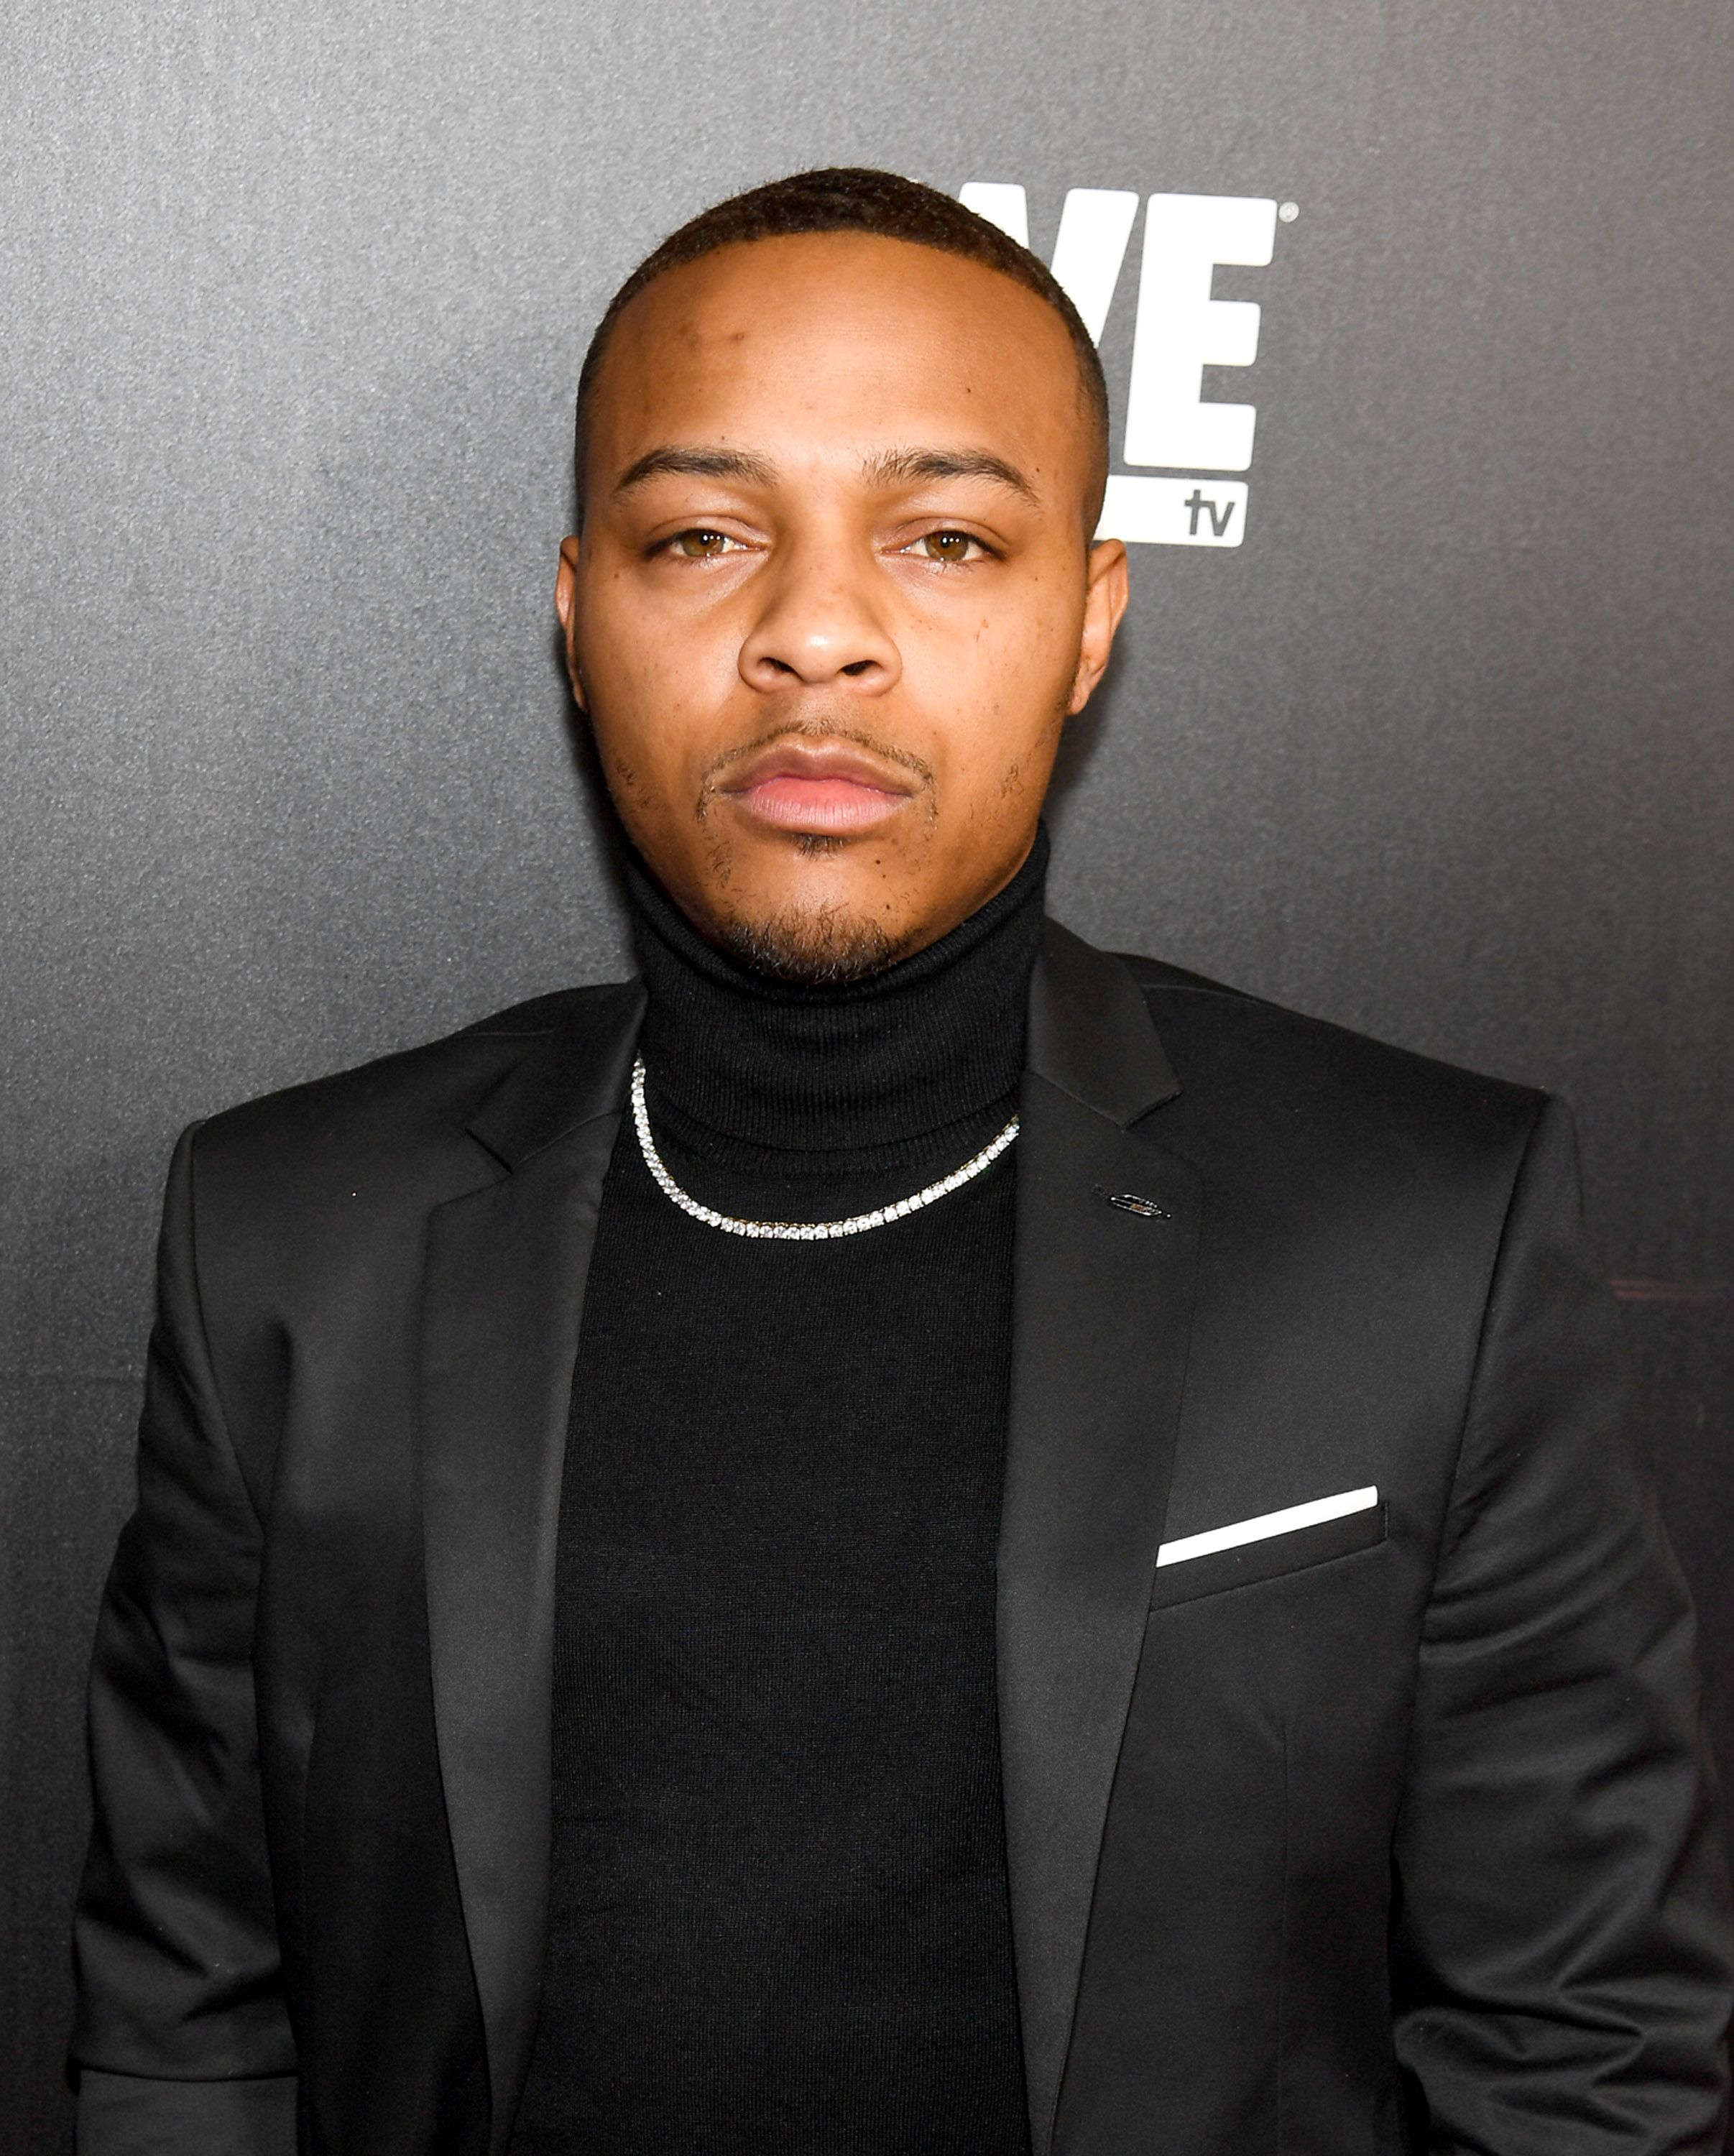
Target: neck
x,y
742,1063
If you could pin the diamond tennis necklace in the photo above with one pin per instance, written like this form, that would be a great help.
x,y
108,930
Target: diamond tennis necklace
x,y
802,1231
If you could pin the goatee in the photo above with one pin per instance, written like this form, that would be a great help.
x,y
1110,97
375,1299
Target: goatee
x,y
821,949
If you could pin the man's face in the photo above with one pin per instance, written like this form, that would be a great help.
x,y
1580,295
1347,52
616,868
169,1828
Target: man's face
x,y
835,597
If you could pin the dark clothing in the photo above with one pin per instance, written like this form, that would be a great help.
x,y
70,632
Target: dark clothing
x,y
1391,1829
778,1916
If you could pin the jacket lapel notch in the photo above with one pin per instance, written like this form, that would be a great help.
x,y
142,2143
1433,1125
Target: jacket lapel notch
x,y
1090,1033
1102,1315
577,1071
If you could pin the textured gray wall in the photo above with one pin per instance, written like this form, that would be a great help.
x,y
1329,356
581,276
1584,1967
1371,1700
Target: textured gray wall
x,y
292,305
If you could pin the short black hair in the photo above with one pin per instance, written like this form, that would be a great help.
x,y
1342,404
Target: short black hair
x,y
848,198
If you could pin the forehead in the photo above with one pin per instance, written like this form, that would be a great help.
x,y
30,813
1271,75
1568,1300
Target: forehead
x,y
839,336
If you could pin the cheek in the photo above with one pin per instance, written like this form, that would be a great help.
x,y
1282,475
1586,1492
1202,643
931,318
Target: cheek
x,y
654,700
1022,645
661,661
1009,687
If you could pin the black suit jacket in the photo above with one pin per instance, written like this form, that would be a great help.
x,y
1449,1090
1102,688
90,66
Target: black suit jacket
x,y
1390,1831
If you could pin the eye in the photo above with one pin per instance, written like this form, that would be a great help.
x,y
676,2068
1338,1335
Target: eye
x,y
953,547
700,544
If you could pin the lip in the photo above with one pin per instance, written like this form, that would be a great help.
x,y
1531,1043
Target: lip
x,y
829,789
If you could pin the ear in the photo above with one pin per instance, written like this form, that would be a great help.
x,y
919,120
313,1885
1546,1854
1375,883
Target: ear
x,y
1107,591
566,606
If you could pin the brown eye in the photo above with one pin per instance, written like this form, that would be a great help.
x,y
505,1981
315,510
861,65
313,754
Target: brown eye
x,y
948,546
700,545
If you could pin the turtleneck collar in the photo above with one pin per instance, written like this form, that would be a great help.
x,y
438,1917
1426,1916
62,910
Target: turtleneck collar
x,y
875,1069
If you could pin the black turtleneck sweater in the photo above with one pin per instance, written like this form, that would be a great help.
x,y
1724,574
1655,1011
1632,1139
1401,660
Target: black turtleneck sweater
x,y
778,1919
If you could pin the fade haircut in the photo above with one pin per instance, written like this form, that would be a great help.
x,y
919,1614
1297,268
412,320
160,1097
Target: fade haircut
x,y
852,198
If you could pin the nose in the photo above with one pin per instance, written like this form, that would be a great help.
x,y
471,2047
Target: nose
x,y
823,625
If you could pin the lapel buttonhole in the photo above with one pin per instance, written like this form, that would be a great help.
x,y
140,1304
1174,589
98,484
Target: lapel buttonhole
x,y
1127,1201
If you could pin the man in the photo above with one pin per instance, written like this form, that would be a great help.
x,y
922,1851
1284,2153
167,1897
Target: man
x,y
899,1535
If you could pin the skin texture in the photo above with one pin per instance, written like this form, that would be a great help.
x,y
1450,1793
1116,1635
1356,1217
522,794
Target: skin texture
x,y
835,595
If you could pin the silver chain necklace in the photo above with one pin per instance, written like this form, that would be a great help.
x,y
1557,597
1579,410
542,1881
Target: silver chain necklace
x,y
801,1231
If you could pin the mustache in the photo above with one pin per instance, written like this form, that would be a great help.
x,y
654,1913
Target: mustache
x,y
815,730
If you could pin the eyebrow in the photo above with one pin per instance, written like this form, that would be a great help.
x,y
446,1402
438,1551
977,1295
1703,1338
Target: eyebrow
x,y
910,467
889,468
695,463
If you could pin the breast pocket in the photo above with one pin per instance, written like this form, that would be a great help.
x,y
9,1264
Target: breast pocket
x,y
1268,1547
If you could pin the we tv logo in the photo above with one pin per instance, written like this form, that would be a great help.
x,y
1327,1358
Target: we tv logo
x,y
1180,330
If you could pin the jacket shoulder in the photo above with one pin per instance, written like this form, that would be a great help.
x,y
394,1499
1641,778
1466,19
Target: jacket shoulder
x,y
412,1102
1279,1071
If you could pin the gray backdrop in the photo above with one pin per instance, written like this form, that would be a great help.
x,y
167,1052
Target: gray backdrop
x,y
292,305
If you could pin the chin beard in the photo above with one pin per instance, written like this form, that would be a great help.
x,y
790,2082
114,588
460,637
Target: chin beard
x,y
818,949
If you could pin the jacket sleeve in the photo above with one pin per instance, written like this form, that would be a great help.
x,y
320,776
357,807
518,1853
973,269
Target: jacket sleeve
x,y
1562,1945
182,2039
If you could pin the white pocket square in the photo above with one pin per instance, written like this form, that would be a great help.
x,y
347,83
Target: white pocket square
x,y
1284,1523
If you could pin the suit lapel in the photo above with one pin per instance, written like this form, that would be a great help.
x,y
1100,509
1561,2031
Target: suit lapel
x,y
1102,1310
1102,1305
503,1292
